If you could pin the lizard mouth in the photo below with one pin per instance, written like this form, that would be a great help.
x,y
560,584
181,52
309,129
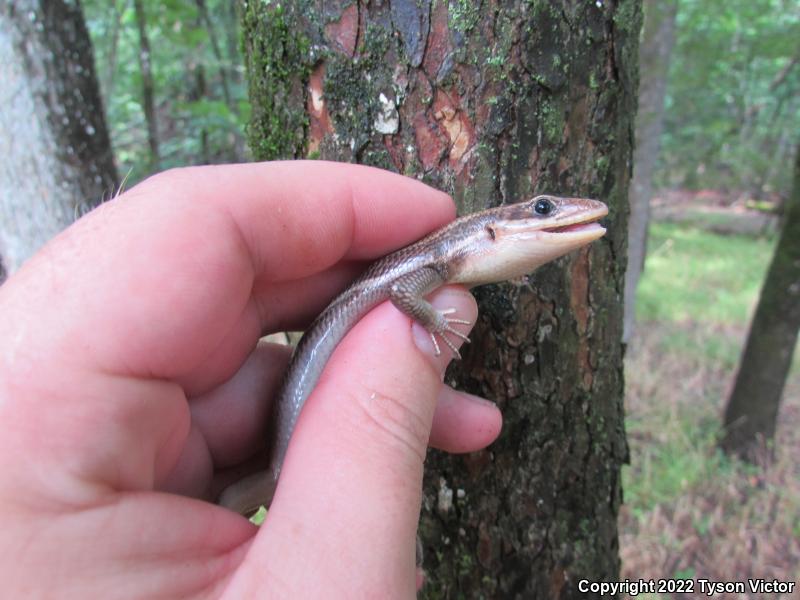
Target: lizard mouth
x,y
576,227
579,228
584,224
581,223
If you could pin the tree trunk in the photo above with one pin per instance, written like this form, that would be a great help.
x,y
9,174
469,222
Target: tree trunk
x,y
658,39
148,86
115,13
56,155
205,20
493,104
752,411
199,91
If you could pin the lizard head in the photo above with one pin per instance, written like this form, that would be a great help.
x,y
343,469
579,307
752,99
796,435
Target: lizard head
x,y
518,238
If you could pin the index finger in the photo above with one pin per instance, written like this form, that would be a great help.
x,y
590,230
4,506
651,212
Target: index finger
x,y
299,217
171,266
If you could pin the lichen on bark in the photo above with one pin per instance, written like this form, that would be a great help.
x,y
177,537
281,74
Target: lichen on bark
x,y
353,86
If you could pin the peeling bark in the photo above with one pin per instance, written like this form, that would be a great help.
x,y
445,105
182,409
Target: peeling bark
x,y
492,103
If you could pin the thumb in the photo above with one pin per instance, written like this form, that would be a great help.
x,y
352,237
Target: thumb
x,y
344,517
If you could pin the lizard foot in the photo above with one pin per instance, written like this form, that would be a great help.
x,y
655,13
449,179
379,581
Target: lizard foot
x,y
443,326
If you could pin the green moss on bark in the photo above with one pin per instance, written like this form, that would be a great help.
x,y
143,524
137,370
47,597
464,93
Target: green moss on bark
x,y
279,63
463,15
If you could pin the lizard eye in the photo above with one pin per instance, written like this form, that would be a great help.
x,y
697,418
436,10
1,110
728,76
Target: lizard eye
x,y
543,207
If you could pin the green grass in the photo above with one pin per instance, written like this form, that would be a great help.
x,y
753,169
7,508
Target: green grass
x,y
706,343
661,475
706,285
695,300
687,505
684,458
693,275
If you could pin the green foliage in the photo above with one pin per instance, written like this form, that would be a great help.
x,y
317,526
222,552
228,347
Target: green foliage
x,y
259,516
199,85
732,111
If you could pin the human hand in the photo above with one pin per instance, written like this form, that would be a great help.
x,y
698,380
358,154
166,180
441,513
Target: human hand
x,y
131,377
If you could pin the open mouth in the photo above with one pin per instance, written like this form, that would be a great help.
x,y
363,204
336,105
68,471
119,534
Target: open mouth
x,y
574,227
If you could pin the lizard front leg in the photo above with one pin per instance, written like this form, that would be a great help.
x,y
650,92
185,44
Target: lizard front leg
x,y
407,294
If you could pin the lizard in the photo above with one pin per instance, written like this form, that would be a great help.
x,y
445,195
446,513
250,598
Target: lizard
x,y
489,246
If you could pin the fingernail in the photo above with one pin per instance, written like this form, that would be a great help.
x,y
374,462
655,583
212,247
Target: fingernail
x,y
446,299
478,400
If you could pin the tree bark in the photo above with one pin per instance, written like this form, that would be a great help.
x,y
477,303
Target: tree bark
x,y
658,39
57,158
493,104
205,19
752,412
115,13
148,86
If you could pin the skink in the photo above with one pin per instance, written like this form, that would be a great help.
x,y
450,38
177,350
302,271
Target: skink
x,y
485,247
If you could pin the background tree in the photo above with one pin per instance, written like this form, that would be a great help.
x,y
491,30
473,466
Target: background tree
x,y
752,412
57,158
148,87
199,97
658,38
492,106
733,100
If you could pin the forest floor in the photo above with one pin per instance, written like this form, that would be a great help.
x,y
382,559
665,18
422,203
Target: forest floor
x,y
689,511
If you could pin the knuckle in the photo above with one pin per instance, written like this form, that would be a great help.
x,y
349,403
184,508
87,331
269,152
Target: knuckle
x,y
396,420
